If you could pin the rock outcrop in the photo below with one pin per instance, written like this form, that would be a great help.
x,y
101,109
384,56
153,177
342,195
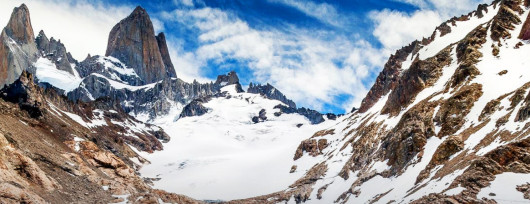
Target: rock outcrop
x,y
230,78
134,43
195,108
312,115
260,117
525,31
18,50
270,92
388,78
313,147
421,74
24,93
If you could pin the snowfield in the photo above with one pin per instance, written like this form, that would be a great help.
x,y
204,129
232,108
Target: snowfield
x,y
48,72
224,155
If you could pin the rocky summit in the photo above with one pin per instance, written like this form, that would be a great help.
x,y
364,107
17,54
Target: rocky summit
x,y
18,50
446,121
133,42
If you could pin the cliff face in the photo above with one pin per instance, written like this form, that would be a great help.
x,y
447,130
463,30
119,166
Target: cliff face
x,y
19,27
133,42
164,52
18,50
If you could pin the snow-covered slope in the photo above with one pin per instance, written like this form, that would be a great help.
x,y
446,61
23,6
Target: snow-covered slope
x,y
224,155
46,71
454,120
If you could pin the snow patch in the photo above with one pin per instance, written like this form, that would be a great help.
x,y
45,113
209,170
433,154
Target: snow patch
x,y
48,72
504,188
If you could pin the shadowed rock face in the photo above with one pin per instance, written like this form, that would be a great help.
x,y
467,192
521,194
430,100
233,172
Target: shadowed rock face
x,y
525,32
17,46
133,42
161,40
388,78
195,108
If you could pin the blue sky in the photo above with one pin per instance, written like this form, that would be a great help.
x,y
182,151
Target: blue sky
x,y
324,55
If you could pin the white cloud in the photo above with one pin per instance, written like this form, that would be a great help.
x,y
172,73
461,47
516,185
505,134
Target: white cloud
x,y
158,25
186,64
395,29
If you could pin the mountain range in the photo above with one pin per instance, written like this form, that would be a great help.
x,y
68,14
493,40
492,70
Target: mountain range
x,y
447,121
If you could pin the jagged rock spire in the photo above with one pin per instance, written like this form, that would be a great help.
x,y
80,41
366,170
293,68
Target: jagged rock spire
x,y
56,52
133,42
19,27
164,51
18,50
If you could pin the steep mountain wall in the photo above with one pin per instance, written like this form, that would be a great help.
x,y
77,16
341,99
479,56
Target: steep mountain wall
x,y
18,50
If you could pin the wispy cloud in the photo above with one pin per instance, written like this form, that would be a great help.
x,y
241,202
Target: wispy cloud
x,y
395,29
324,12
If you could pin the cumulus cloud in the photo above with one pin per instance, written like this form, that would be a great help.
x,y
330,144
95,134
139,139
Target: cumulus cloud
x,y
395,29
188,3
